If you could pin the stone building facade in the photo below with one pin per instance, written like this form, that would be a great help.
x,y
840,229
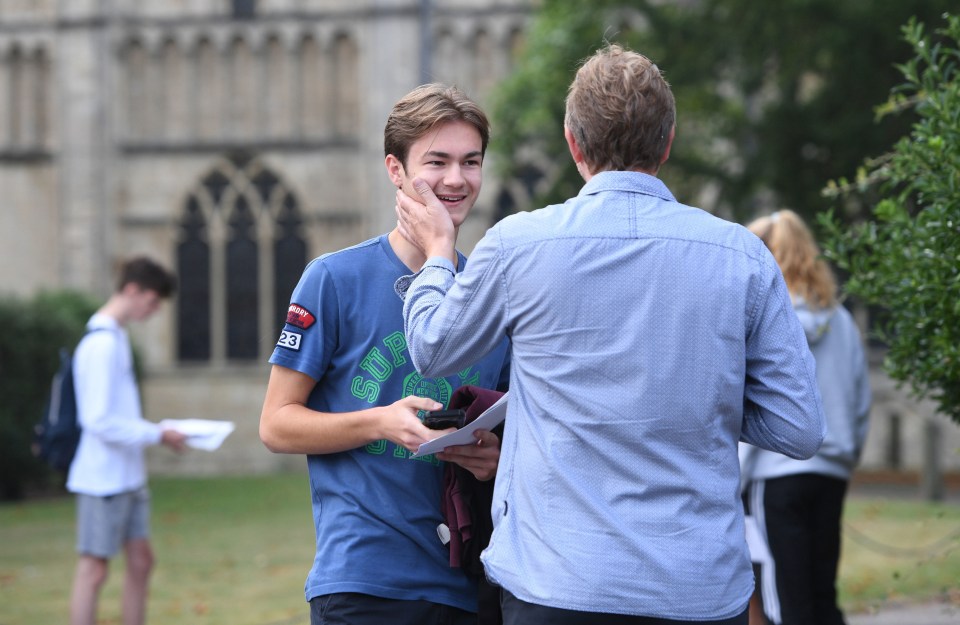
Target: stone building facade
x,y
233,140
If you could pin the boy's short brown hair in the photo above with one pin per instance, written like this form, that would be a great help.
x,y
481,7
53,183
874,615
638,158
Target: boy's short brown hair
x,y
148,275
425,107
620,110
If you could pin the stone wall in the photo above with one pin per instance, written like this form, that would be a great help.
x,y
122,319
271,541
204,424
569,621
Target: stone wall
x,y
905,430
112,111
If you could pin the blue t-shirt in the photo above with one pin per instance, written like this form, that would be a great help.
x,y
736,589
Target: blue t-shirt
x,y
375,509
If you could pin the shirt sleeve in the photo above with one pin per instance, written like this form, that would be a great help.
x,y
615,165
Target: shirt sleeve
x,y
782,409
863,397
97,372
453,320
309,339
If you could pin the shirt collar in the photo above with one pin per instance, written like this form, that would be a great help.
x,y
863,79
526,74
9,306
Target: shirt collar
x,y
631,181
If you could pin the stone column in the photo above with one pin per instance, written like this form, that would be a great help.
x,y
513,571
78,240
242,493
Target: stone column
x,y
931,473
81,101
390,67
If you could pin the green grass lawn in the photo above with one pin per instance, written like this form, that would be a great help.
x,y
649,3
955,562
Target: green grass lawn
x,y
235,551
230,551
902,551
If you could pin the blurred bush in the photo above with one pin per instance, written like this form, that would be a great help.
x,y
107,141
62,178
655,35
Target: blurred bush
x,y
32,331
905,259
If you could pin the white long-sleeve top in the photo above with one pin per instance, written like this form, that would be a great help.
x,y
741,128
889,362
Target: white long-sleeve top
x,y
844,383
110,458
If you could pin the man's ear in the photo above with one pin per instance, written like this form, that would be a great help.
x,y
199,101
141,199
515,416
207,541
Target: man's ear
x,y
666,152
572,145
577,154
394,170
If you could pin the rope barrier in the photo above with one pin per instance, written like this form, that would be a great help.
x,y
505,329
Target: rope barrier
x,y
929,551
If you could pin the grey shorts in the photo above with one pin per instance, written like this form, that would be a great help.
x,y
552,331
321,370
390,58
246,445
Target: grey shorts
x,y
105,524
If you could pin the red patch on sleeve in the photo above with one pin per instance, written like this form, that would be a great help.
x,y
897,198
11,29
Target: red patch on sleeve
x,y
299,316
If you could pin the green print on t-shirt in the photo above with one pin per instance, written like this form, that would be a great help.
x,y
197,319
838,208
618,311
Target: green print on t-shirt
x,y
379,365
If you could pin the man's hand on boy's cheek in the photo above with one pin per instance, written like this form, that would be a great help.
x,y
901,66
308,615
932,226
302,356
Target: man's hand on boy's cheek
x,y
426,224
480,458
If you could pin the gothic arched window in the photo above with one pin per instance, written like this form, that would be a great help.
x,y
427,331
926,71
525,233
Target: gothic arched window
x,y
138,122
314,107
484,67
239,255
15,90
24,98
345,59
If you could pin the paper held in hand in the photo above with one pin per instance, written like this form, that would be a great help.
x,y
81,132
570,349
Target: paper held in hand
x,y
489,419
206,434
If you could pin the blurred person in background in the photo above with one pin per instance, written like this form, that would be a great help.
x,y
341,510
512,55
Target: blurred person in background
x,y
798,504
108,474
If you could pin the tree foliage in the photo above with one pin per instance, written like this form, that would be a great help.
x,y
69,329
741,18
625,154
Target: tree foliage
x,y
906,258
771,96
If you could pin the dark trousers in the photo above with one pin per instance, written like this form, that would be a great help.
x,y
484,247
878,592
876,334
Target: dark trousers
x,y
518,612
802,521
488,603
348,608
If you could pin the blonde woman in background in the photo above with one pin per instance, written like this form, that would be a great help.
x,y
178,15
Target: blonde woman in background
x,y
798,503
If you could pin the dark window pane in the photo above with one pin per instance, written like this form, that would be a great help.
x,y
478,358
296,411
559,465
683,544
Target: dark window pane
x,y
289,257
193,297
264,184
530,176
505,205
244,8
215,184
242,284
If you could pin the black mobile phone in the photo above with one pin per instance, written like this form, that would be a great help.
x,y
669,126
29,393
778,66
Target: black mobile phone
x,y
443,419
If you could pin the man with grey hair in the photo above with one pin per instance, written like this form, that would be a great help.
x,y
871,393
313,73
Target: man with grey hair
x,y
648,338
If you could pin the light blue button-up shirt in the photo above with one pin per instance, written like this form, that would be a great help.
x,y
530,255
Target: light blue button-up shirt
x,y
648,337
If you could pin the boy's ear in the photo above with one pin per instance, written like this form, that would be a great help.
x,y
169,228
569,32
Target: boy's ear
x,y
394,170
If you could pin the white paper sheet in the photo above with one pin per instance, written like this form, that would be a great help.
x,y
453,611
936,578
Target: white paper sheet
x,y
206,434
489,419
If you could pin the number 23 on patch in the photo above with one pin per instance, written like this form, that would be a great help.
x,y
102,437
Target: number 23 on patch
x,y
290,340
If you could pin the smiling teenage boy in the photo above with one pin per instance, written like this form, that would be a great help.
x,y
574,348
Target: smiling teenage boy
x,y
343,391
